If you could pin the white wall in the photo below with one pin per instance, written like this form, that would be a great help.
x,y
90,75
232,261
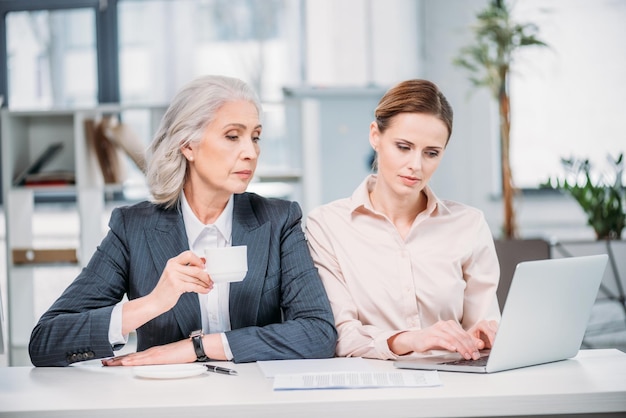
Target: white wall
x,y
400,48
359,42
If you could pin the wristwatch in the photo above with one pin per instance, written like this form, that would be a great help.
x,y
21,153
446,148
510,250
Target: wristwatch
x,y
196,339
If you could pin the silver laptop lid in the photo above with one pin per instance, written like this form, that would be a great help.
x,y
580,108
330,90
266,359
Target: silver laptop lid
x,y
546,311
544,318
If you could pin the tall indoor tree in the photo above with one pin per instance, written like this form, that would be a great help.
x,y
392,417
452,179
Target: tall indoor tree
x,y
489,60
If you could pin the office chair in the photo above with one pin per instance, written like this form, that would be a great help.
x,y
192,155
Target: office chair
x,y
510,253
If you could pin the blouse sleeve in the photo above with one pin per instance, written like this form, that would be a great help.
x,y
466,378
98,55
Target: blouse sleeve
x,y
481,272
354,338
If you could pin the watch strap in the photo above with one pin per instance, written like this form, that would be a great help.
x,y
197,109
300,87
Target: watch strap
x,y
196,339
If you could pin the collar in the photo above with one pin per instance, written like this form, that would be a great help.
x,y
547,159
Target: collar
x,y
193,226
360,199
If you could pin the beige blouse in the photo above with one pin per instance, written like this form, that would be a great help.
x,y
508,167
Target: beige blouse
x,y
379,284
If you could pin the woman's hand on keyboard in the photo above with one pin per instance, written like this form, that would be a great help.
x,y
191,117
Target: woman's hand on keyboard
x,y
443,335
486,332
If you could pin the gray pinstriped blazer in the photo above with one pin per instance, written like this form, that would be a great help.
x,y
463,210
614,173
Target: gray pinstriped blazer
x,y
279,311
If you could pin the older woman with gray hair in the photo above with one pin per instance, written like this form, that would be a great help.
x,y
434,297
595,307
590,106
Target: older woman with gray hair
x,y
200,162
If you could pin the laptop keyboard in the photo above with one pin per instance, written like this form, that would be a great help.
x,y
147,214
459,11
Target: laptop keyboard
x,y
478,363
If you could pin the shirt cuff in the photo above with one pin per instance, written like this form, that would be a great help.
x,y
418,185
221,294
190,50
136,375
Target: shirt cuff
x,y
116,338
227,352
381,345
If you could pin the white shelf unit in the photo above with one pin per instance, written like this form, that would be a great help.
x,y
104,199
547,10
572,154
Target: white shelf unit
x,y
24,136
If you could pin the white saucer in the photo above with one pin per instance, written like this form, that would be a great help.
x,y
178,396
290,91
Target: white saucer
x,y
169,371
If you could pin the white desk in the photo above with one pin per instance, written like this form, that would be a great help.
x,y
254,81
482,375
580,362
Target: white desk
x,y
592,383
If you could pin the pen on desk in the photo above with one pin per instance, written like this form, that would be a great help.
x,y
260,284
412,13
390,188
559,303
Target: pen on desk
x,y
221,370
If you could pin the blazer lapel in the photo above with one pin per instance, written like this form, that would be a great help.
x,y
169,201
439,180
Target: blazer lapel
x,y
167,240
245,296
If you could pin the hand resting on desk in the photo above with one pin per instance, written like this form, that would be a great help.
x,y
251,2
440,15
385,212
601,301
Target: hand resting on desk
x,y
177,352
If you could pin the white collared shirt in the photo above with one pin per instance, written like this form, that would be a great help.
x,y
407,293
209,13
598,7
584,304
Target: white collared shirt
x,y
214,306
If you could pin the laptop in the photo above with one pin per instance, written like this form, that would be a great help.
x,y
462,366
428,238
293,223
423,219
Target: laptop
x,y
544,318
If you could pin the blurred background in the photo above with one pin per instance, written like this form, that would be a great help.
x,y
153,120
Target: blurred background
x,y
320,67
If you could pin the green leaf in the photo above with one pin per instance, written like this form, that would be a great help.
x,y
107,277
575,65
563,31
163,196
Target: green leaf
x,y
604,203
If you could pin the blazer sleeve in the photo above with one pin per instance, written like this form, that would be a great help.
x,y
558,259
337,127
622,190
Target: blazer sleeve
x,y
76,326
307,328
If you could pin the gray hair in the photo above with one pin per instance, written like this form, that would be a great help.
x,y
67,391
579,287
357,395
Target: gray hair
x,y
184,122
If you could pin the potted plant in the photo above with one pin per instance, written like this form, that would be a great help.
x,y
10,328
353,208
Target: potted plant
x,y
602,197
489,59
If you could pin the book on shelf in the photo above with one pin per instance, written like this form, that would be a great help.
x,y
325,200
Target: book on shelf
x,y
112,141
44,255
40,162
109,156
51,178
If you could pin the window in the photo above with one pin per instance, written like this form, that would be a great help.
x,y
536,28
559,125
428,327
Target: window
x,y
51,58
569,99
178,41
82,52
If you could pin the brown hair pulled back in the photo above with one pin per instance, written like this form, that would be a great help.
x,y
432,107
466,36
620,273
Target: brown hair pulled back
x,y
413,96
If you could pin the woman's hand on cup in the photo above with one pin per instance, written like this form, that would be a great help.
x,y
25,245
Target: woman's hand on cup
x,y
183,273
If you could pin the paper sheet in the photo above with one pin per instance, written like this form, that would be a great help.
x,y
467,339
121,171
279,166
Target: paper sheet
x,y
355,380
337,364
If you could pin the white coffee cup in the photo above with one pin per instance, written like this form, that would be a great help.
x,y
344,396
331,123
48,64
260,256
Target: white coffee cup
x,y
227,264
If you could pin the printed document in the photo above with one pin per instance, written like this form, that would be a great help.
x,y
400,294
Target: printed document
x,y
356,380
